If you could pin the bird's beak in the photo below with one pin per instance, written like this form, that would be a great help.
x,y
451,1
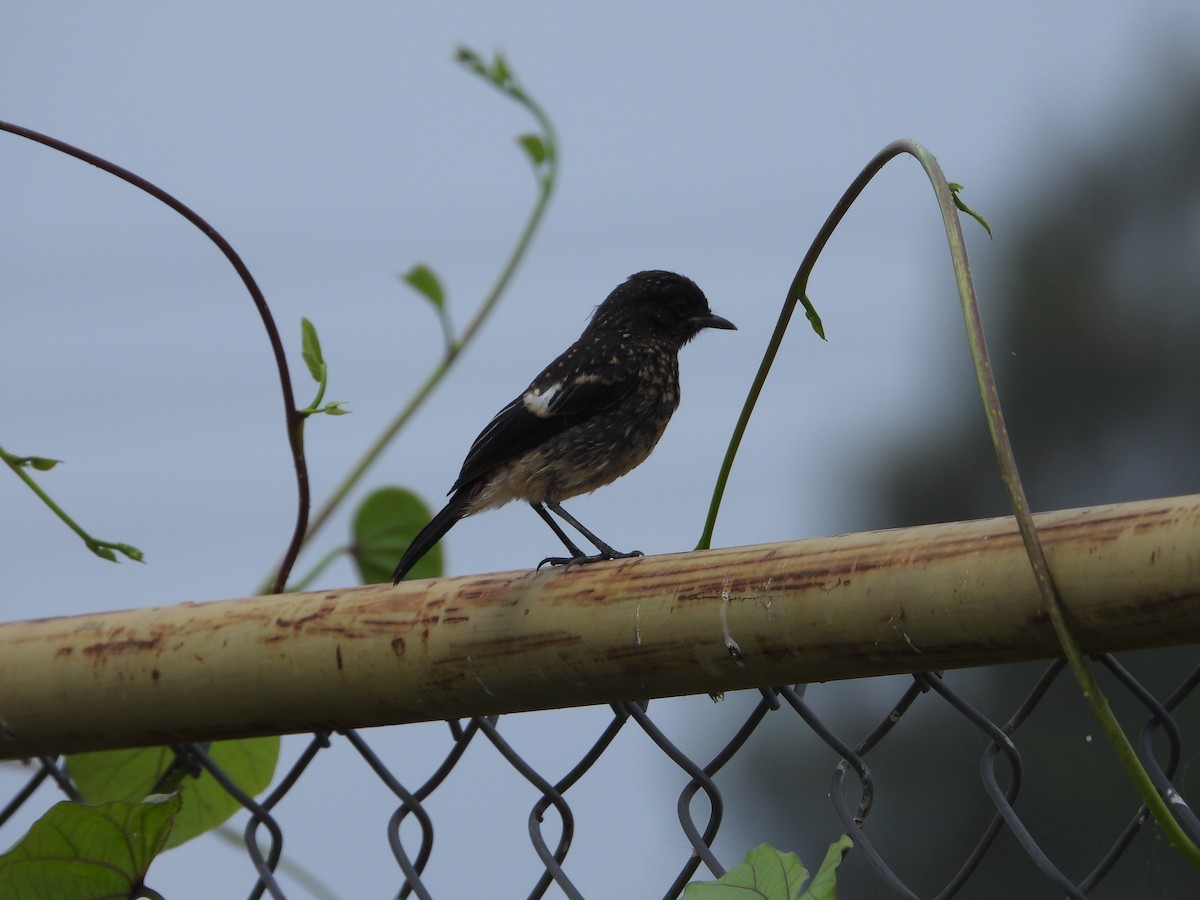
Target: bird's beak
x,y
712,320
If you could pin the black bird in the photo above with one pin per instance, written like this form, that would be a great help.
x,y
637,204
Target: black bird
x,y
589,417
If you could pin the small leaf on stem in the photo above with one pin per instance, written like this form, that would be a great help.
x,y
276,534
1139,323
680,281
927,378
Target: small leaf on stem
x,y
132,552
422,279
470,59
955,187
500,73
310,350
810,313
534,146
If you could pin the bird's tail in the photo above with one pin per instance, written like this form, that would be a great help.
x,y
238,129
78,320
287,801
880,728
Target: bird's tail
x,y
432,533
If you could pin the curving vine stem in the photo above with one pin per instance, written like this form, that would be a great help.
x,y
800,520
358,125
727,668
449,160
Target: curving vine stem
x,y
293,417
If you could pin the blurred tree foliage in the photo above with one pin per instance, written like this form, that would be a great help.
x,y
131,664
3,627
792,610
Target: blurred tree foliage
x,y
1093,332
1093,329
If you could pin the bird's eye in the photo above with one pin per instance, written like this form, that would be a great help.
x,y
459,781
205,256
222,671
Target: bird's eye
x,y
681,306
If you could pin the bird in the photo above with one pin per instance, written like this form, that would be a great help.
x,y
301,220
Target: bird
x,y
590,417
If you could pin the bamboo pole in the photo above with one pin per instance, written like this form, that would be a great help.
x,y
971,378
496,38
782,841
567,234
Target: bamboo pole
x,y
905,600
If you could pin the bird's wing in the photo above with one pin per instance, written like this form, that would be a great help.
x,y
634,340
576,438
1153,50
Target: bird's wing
x,y
557,399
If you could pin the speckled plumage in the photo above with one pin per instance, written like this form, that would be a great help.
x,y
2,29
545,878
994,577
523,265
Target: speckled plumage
x,y
590,416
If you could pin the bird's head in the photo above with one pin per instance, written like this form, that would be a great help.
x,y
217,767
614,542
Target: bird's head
x,y
667,305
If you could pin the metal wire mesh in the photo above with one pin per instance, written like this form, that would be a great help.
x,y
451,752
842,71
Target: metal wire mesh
x,y
881,863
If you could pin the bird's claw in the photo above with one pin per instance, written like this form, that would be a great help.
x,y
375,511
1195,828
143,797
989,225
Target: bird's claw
x,y
583,559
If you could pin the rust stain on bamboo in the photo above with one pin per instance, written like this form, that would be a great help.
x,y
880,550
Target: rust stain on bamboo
x,y
116,648
509,645
298,623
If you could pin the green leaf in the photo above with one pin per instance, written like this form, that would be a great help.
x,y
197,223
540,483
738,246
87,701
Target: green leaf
x,y
766,873
118,774
130,551
41,463
422,279
103,552
471,60
131,774
500,73
955,187
824,883
534,146
772,875
810,313
251,765
79,852
334,408
384,525
310,349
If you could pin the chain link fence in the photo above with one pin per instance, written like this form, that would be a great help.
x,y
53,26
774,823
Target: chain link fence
x,y
1046,811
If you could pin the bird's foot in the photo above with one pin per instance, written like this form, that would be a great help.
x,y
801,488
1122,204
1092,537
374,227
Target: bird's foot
x,y
583,559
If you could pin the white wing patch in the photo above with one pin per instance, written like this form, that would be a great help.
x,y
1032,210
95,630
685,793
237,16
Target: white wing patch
x,y
538,402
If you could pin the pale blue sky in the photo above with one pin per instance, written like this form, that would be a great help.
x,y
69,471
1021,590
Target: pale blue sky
x,y
334,148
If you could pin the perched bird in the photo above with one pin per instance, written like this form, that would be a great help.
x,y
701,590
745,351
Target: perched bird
x,y
589,417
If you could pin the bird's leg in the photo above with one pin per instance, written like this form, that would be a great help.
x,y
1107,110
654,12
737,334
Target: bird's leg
x,y
575,552
606,552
